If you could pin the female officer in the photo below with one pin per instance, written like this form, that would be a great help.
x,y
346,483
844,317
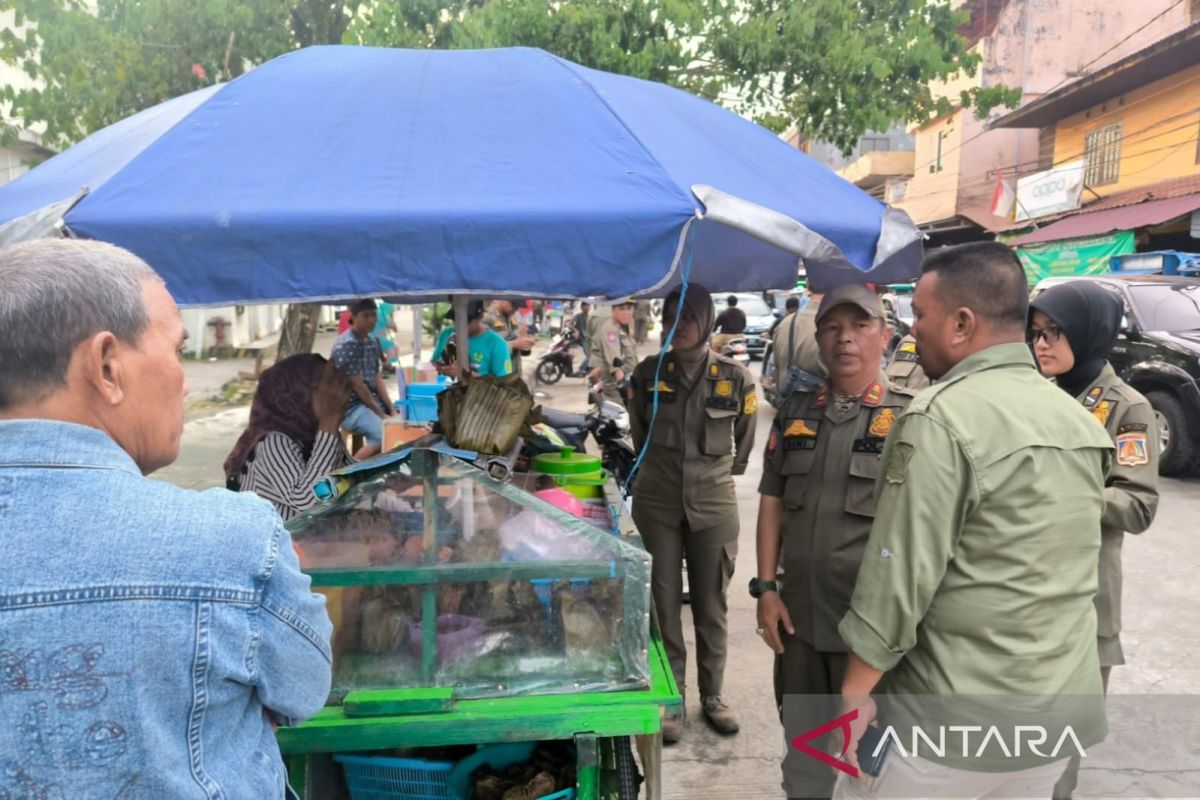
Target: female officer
x,y
1073,327
701,436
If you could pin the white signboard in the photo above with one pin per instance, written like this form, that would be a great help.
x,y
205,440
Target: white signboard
x,y
1051,191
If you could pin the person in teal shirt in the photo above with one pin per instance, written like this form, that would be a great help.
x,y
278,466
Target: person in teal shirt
x,y
488,350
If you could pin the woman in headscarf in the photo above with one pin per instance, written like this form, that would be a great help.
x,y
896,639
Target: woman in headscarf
x,y
1073,327
683,499
292,439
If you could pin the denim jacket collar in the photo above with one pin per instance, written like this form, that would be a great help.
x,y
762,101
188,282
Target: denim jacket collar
x,y
50,443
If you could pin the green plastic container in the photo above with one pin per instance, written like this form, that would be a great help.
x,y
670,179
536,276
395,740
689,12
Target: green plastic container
x,y
578,473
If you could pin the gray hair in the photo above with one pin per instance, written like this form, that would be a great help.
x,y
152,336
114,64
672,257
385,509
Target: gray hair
x,y
57,293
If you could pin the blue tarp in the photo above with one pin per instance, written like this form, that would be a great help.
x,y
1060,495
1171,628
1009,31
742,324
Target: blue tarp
x,y
335,172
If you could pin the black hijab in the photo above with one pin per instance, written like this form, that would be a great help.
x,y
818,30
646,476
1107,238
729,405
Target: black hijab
x,y
1090,317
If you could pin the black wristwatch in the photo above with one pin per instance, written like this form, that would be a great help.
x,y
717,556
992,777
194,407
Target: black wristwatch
x,y
758,587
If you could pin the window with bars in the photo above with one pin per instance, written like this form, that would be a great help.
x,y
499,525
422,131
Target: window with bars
x,y
1103,149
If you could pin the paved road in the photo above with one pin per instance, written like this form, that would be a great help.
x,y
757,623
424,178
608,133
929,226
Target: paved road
x,y
1161,638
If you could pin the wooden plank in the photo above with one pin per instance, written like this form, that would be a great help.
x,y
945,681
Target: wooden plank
x,y
375,703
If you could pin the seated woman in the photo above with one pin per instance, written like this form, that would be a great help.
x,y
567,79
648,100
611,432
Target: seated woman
x,y
292,439
489,352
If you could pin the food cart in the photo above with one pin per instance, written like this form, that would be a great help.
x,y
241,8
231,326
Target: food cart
x,y
468,610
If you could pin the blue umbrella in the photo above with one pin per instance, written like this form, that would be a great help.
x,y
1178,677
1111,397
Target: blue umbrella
x,y
336,172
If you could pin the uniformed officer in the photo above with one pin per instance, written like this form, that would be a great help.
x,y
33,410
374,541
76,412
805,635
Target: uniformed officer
x,y
817,505
612,351
905,367
701,436
1073,327
798,364
980,569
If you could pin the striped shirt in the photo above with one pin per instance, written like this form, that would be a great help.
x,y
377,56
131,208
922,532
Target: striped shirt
x,y
276,470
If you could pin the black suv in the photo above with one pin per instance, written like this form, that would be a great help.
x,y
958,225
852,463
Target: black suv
x,y
1158,353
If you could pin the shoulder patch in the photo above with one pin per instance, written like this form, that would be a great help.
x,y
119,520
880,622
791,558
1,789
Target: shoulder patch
x,y
773,440
1133,427
612,337
1133,450
1093,397
897,464
908,347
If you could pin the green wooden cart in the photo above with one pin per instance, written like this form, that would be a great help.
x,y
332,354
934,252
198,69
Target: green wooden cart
x,y
420,711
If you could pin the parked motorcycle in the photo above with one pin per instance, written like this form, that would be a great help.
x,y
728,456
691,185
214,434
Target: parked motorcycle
x,y
608,424
737,348
559,361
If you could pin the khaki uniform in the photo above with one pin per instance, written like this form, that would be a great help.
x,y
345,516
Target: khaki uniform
x,y
823,464
612,341
1131,500
980,571
804,354
641,321
905,367
684,497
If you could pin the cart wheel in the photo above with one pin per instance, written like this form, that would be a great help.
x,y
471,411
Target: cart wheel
x,y
627,771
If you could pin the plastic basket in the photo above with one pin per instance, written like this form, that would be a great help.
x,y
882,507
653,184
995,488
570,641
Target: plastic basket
x,y
384,778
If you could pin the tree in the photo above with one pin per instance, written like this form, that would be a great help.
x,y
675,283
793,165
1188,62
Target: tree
x,y
839,68
833,68
98,67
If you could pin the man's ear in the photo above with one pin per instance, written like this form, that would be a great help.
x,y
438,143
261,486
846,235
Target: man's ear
x,y
965,323
103,366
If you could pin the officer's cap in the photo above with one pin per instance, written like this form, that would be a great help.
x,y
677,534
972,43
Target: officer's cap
x,y
854,295
623,301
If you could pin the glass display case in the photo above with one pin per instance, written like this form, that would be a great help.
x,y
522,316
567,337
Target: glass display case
x,y
436,575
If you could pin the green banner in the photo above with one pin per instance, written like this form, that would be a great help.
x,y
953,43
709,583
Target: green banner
x,y
1088,256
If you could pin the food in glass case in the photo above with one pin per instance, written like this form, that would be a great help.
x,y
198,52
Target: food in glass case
x,y
437,575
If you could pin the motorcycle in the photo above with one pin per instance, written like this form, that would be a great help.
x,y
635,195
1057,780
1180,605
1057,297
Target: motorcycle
x,y
560,360
608,424
737,348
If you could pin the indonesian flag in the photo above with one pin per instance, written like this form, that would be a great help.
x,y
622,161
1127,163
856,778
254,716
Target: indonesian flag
x,y
1003,199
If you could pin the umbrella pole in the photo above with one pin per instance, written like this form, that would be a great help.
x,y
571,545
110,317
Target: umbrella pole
x,y
461,338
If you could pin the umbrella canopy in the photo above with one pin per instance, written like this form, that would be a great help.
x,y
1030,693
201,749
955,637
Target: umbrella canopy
x,y
334,172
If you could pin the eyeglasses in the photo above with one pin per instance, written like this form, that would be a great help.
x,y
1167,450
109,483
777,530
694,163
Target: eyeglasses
x,y
1050,333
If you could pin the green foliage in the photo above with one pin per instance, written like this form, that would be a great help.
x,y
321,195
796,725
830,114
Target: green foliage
x,y
837,69
833,68
97,68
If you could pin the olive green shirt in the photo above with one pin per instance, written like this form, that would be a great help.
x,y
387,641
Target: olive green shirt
x,y
1131,492
980,569
905,367
824,464
701,438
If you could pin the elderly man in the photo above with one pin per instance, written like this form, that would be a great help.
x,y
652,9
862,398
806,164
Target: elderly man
x,y
980,569
816,508
152,635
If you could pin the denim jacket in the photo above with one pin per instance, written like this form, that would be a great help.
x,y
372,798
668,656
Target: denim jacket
x,y
144,629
